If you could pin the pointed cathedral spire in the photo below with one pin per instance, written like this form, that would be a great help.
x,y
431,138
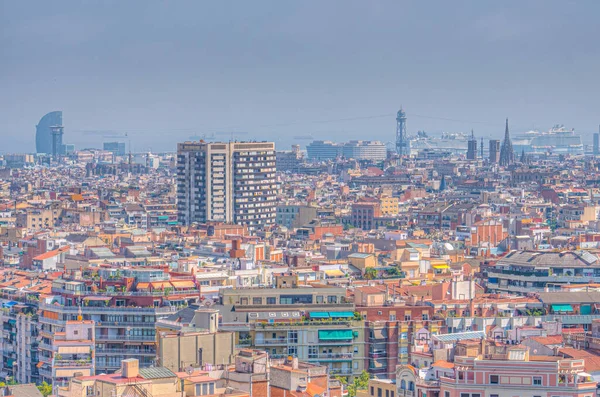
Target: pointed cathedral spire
x,y
443,183
507,155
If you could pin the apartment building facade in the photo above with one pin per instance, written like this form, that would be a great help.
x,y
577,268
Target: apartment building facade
x,y
227,182
524,272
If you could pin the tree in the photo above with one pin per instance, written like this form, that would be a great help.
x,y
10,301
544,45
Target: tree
x,y
360,383
393,271
45,389
370,273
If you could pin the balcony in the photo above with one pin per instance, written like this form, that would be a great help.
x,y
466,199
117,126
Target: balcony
x,y
110,309
377,370
331,357
295,324
121,324
341,371
542,277
129,352
47,373
46,320
125,338
72,363
378,354
406,393
244,342
273,342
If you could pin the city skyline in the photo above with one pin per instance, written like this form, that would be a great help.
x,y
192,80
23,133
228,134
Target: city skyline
x,y
454,68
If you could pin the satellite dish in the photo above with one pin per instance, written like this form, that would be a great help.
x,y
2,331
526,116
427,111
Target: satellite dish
x,y
208,302
189,370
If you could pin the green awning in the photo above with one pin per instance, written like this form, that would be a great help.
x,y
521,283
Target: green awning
x,y
341,314
318,314
10,362
562,308
172,223
163,217
337,334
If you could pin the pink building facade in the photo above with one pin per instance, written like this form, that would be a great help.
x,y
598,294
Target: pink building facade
x,y
513,374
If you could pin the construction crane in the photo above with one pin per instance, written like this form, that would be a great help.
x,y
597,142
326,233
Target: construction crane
x,y
233,134
107,134
202,137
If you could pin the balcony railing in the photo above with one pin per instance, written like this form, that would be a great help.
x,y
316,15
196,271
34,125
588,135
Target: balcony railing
x,y
125,351
331,356
110,309
72,363
136,338
302,324
171,292
272,342
340,371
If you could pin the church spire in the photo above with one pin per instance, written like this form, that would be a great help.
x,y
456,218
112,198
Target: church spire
x,y
507,155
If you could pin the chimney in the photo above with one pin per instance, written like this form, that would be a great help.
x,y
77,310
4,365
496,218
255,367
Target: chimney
x,y
295,363
130,368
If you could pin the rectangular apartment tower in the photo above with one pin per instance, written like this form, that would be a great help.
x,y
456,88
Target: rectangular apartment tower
x,y
226,182
472,149
596,147
494,151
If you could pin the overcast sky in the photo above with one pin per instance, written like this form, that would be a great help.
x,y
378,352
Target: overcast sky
x,y
166,70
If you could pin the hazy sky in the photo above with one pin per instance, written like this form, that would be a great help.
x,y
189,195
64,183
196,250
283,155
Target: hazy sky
x,y
166,70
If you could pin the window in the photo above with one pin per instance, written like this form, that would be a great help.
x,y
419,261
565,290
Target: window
x,y
461,375
407,317
379,392
447,394
494,379
392,317
537,380
475,395
257,301
372,391
495,395
464,395
387,393
271,300
425,316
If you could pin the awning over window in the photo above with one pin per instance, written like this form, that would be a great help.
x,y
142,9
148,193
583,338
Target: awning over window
x,y
341,314
73,349
562,308
318,314
439,267
338,334
334,273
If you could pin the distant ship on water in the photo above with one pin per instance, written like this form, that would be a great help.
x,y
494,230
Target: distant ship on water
x,y
558,140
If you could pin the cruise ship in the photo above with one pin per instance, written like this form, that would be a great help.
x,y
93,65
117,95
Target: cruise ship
x,y
558,140
455,143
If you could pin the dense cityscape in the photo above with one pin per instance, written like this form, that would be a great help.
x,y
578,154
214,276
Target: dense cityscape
x,y
267,198
430,267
